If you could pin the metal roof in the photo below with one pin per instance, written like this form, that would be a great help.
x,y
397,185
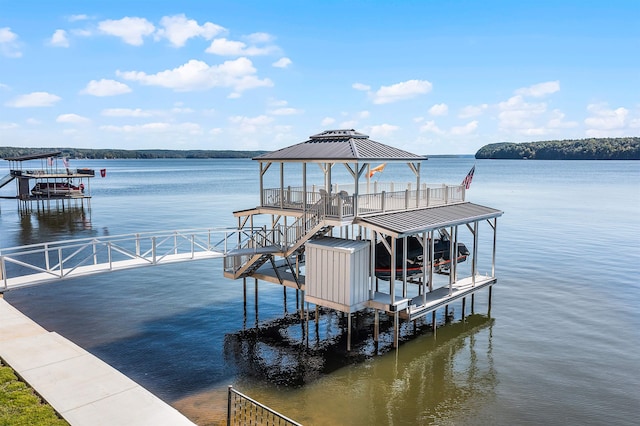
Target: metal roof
x,y
400,224
344,145
34,156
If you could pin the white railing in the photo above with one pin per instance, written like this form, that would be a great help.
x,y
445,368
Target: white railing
x,y
35,263
384,197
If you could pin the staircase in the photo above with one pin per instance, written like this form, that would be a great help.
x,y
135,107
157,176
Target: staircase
x,y
291,239
5,180
252,265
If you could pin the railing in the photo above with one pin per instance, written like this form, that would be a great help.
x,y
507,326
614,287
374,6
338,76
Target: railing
x,y
242,410
35,263
385,197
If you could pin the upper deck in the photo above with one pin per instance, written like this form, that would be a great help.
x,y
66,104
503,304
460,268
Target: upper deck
x,y
344,202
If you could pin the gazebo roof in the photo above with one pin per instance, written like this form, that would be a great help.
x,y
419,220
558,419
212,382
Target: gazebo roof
x,y
339,146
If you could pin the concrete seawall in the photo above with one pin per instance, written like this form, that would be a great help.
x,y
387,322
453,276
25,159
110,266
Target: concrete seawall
x,y
83,389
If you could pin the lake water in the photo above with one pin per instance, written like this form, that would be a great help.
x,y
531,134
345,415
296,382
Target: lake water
x,y
561,344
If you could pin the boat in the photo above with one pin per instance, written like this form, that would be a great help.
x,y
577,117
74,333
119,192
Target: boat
x,y
56,189
414,264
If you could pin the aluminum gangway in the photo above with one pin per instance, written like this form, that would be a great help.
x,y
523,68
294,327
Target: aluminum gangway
x,y
53,261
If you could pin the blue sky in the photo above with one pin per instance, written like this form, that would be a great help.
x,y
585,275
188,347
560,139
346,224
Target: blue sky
x,y
431,77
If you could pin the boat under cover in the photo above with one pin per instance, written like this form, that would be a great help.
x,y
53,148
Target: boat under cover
x,y
415,261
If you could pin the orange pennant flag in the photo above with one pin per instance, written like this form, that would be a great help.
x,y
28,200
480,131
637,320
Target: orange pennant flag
x,y
377,169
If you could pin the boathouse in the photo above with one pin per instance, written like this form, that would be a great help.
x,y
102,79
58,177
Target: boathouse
x,y
359,243
51,183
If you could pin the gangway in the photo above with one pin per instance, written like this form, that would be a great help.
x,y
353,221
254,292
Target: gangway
x,y
5,180
45,262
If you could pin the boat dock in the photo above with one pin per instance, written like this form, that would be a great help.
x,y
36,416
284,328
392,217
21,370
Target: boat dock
x,y
358,246
51,184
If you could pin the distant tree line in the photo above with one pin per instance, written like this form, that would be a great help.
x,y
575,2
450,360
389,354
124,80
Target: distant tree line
x,y
8,151
582,149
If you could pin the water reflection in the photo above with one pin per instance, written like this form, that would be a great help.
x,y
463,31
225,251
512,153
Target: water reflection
x,y
431,377
41,225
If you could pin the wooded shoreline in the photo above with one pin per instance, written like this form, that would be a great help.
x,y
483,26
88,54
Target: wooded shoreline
x,y
580,149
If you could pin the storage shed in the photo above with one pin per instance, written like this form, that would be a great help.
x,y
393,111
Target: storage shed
x,y
337,273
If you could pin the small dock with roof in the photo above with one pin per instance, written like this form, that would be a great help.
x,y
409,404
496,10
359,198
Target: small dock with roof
x,y
359,245
46,180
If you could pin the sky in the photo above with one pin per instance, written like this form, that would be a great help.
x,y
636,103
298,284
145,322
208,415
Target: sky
x,y
430,77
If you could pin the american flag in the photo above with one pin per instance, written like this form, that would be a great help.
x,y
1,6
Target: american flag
x,y
467,180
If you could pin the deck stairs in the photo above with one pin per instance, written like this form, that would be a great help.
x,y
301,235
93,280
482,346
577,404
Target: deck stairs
x,y
252,265
5,180
291,241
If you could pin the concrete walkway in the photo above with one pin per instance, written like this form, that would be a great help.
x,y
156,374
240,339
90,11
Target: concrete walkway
x,y
83,389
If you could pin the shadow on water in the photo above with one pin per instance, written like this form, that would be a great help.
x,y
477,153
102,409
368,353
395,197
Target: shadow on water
x,y
186,353
291,352
430,377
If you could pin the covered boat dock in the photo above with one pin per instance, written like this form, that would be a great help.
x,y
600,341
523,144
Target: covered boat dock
x,y
321,236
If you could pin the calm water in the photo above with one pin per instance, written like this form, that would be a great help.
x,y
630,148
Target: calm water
x,y
561,344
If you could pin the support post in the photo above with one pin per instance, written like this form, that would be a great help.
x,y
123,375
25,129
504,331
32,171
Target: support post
x,y
396,331
349,332
376,325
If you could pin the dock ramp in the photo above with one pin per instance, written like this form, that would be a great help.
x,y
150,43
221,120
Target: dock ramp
x,y
5,180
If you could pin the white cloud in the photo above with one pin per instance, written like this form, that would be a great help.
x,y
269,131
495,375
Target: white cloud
x,y
430,126
81,32
59,39
178,29
439,109
540,89
349,124
224,47
516,114
361,87
238,74
467,129
7,126
125,112
33,122
130,30
364,114
72,119
35,99
74,18
140,128
401,91
557,121
259,38
606,122
472,110
285,111
9,45
282,63
382,130
327,121
4,86
242,124
105,87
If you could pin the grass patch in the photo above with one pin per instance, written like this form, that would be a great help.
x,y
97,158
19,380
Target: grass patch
x,y
20,405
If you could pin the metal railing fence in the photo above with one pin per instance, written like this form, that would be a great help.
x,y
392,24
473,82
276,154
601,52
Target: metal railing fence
x,y
242,410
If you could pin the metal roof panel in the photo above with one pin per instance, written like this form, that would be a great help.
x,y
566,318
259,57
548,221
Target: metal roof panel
x,y
340,146
414,222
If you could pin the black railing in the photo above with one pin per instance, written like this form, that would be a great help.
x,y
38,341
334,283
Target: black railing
x,y
242,410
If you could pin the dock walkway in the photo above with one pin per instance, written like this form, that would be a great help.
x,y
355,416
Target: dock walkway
x,y
83,389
